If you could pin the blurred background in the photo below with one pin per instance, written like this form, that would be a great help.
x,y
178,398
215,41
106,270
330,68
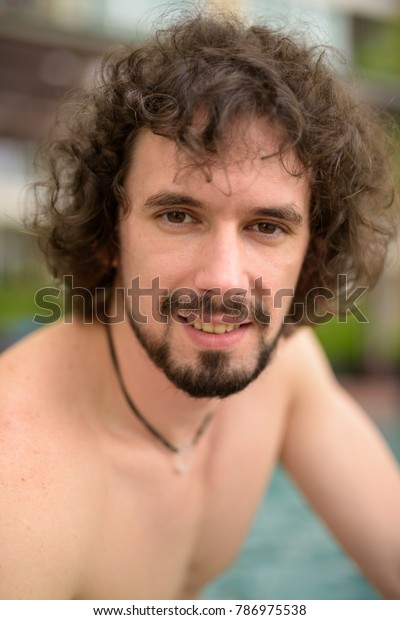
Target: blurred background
x,y
47,48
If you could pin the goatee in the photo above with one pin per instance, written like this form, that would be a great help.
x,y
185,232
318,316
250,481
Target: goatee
x,y
214,375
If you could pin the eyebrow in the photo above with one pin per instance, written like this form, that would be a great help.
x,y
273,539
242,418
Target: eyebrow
x,y
286,212
171,199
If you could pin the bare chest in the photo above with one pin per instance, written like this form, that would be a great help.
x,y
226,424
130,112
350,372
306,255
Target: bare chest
x,y
158,534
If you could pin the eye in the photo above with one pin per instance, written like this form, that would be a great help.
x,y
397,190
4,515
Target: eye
x,y
267,228
176,217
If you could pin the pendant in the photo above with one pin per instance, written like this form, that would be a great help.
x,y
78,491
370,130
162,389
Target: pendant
x,y
183,459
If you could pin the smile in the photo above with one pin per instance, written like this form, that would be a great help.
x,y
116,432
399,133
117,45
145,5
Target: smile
x,y
214,328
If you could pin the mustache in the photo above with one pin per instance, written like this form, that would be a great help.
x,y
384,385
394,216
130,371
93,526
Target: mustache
x,y
234,308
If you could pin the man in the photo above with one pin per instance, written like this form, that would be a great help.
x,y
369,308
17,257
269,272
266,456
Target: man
x,y
214,184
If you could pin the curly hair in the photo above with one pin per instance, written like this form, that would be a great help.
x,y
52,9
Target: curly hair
x,y
229,70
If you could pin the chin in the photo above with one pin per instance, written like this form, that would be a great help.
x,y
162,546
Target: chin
x,y
214,375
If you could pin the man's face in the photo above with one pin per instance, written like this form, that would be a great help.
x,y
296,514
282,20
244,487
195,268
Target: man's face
x,y
238,233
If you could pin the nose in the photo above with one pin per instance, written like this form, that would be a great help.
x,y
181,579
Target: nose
x,y
222,264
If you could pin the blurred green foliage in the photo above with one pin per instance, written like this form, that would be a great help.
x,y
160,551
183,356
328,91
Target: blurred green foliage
x,y
351,349
345,343
17,300
378,51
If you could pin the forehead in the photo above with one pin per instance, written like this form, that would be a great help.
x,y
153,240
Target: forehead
x,y
248,163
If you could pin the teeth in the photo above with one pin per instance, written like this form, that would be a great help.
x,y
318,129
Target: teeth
x,y
220,328
207,327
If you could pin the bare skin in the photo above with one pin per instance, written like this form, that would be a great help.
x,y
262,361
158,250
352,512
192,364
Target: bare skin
x,y
93,508
91,504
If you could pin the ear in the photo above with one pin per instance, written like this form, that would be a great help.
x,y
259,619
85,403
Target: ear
x,y
103,256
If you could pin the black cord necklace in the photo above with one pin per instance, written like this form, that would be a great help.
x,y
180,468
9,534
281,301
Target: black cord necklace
x,y
183,452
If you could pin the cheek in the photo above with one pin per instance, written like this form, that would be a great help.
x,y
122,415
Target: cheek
x,y
283,269
154,271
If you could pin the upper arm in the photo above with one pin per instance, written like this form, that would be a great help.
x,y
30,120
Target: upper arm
x,y
37,535
339,460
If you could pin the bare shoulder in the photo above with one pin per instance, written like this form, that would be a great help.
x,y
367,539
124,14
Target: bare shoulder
x,y
48,356
316,399
303,342
45,381
50,372
302,362
42,463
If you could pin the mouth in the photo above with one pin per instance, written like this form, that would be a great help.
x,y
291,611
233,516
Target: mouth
x,y
211,325
212,333
215,328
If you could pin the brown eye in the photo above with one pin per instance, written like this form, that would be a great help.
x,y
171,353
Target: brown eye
x,y
267,228
175,217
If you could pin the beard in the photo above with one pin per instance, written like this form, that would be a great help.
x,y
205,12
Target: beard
x,y
215,375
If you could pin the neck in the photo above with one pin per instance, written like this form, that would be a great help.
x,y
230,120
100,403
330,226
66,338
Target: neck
x,y
173,413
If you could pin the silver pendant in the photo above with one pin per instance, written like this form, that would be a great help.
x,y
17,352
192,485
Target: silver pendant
x,y
183,459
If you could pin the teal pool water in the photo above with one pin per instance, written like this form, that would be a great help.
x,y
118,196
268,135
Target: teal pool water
x,y
290,555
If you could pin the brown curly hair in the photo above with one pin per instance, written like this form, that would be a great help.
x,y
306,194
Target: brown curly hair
x,y
219,65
